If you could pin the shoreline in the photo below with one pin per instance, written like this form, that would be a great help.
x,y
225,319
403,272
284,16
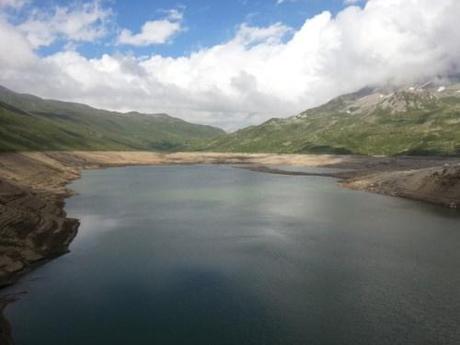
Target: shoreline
x,y
34,227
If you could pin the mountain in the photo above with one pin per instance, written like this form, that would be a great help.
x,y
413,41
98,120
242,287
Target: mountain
x,y
411,120
32,123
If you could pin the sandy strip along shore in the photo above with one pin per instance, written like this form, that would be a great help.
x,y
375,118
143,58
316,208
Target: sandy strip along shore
x,y
34,227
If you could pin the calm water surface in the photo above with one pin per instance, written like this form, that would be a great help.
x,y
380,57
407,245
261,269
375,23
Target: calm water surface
x,y
214,255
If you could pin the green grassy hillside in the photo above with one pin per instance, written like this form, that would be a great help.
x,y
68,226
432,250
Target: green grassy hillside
x,y
31,123
416,120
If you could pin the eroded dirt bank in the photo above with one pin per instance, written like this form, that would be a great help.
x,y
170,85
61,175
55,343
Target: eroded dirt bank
x,y
34,226
437,185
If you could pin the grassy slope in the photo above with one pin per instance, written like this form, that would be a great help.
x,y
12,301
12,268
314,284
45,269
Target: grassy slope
x,y
31,123
402,122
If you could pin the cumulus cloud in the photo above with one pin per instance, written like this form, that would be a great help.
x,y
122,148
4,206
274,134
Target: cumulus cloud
x,y
154,32
80,23
19,53
261,72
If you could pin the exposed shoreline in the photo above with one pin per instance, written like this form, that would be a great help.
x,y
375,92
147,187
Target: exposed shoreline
x,y
33,187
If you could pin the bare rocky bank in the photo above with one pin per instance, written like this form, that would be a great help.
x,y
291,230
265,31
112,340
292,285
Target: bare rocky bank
x,y
437,185
34,227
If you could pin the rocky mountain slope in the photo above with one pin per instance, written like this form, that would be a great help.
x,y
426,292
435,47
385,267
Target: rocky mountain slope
x,y
411,120
31,123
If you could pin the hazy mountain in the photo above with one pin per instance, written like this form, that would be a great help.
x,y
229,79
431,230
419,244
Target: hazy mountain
x,y
418,119
32,123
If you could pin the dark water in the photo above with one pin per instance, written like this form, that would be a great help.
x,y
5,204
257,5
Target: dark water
x,y
214,255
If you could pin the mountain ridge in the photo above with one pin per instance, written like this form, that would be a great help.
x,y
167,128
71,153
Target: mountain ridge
x,y
420,119
411,120
28,122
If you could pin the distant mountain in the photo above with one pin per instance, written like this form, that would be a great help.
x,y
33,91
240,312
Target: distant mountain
x,y
418,120
32,123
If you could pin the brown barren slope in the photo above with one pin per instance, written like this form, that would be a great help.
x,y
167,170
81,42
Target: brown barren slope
x,y
439,185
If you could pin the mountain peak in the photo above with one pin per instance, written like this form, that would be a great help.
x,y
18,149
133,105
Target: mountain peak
x,y
410,119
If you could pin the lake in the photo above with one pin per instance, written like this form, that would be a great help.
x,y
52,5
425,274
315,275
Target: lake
x,y
216,255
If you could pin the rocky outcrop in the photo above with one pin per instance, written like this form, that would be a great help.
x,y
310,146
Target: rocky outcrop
x,y
437,185
33,228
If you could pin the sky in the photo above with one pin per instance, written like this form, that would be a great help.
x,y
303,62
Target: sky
x,y
229,63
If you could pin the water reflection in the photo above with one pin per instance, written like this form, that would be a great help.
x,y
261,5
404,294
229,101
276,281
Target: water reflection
x,y
216,255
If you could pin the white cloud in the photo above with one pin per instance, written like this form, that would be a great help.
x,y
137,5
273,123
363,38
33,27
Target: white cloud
x,y
80,23
154,32
260,72
174,14
351,2
17,52
15,4
250,35
280,2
